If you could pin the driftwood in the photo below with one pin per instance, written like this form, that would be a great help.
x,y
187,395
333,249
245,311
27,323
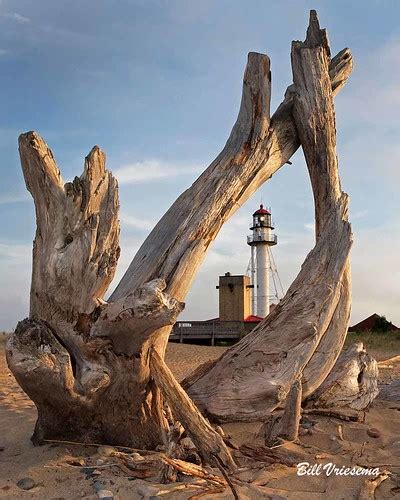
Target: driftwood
x,y
369,486
388,362
284,425
272,455
346,416
93,368
208,491
291,416
353,381
390,392
208,442
304,334
270,429
193,470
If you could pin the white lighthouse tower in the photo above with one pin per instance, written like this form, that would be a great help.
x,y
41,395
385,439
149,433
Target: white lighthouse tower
x,y
260,265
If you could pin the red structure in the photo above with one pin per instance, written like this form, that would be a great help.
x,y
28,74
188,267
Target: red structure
x,y
373,323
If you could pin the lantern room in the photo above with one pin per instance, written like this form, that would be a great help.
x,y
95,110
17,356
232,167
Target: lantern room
x,y
262,218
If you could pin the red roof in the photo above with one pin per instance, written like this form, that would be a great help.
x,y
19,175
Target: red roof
x,y
262,211
253,319
369,324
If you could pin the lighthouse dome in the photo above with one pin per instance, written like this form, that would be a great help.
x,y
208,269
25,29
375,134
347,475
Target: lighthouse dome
x,y
261,211
262,219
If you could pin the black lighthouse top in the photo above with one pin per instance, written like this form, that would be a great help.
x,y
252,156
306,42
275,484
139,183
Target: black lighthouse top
x,y
262,218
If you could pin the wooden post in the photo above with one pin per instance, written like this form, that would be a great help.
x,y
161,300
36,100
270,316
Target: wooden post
x,y
291,416
208,442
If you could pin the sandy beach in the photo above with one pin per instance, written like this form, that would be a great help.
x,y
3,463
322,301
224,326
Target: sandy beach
x,y
57,469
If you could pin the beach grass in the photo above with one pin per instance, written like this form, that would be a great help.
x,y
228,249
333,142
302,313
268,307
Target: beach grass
x,y
378,344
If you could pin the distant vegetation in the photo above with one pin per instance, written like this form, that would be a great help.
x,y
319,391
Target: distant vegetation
x,y
378,343
382,325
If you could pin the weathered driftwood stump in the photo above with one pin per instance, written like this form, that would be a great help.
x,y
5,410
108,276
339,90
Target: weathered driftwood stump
x,y
95,369
305,333
353,381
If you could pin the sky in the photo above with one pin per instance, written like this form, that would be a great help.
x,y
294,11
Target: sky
x,y
157,85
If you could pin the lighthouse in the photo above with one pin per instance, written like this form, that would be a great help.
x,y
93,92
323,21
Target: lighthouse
x,y
260,264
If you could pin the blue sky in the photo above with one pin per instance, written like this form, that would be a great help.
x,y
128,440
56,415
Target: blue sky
x,y
157,85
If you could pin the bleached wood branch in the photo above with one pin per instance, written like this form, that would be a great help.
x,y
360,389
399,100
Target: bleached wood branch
x,y
291,416
108,351
353,381
257,147
314,114
369,486
76,247
208,442
131,320
254,377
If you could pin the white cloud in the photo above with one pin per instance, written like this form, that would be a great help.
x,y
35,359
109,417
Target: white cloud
x,y
17,17
372,96
376,273
142,224
151,170
15,272
360,214
129,246
373,154
13,198
14,251
3,52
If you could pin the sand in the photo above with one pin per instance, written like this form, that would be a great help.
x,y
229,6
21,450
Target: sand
x,y
56,479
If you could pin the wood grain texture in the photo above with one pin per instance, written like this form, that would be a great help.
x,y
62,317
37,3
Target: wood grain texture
x,y
208,442
353,381
256,149
254,377
390,392
130,321
101,355
291,416
367,491
76,246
